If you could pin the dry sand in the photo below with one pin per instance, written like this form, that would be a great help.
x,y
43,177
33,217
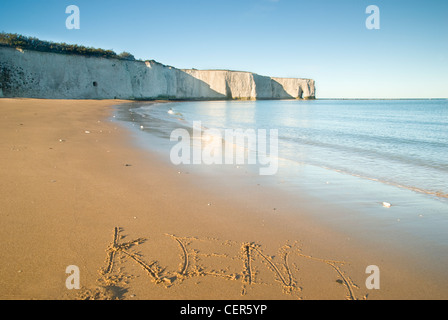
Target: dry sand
x,y
76,191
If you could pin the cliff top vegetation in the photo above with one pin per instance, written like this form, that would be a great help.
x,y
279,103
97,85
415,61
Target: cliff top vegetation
x,y
18,41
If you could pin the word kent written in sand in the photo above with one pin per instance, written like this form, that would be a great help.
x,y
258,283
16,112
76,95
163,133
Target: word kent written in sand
x,y
257,267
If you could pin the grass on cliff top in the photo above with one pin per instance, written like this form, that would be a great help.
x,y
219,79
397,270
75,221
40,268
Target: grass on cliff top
x,y
30,43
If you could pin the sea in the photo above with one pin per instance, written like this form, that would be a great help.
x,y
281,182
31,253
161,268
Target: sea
x,y
384,162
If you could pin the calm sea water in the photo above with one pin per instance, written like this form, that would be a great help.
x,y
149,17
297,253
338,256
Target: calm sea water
x,y
356,152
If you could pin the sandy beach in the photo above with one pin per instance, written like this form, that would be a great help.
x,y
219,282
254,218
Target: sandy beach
x,y
76,190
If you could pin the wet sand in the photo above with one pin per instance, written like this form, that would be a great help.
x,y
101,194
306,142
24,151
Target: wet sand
x,y
77,191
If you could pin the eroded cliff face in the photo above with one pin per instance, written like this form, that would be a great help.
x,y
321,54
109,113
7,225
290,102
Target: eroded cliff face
x,y
34,74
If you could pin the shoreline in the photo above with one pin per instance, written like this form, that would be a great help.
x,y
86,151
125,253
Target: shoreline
x,y
71,177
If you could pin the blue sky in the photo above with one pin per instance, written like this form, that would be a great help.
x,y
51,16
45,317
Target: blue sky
x,y
325,40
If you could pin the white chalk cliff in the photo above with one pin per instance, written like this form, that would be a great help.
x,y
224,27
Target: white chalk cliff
x,y
32,74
